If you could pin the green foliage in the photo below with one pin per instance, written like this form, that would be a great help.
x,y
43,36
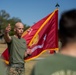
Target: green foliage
x,y
5,20
26,27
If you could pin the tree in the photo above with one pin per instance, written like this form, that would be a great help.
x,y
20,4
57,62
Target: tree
x,y
5,20
4,16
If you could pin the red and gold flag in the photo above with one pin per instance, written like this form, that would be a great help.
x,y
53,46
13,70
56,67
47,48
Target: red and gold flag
x,y
40,37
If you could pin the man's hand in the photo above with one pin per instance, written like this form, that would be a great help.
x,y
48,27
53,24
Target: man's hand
x,y
6,35
8,29
28,52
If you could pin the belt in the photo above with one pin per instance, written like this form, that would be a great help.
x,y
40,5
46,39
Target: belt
x,y
17,65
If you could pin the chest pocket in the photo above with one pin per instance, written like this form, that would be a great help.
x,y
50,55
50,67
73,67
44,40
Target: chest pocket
x,y
23,45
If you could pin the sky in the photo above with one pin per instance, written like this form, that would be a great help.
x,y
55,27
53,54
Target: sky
x,y
31,11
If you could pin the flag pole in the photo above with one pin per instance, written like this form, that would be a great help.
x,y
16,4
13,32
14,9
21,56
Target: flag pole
x,y
54,51
57,5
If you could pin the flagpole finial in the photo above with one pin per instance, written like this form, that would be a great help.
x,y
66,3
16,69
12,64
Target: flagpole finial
x,y
57,5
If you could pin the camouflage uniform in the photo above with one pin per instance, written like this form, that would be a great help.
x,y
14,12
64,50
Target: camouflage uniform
x,y
16,70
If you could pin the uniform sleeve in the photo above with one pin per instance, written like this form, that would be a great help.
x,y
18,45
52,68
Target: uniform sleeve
x,y
10,41
2,67
33,71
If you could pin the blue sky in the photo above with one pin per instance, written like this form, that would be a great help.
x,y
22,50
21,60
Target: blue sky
x,y
31,11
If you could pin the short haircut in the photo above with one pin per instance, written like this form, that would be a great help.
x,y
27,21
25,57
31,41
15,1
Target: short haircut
x,y
67,26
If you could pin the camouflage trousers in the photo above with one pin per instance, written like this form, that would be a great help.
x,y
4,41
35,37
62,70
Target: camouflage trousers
x,y
16,71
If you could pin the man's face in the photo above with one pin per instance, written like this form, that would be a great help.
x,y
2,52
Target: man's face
x,y
19,30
